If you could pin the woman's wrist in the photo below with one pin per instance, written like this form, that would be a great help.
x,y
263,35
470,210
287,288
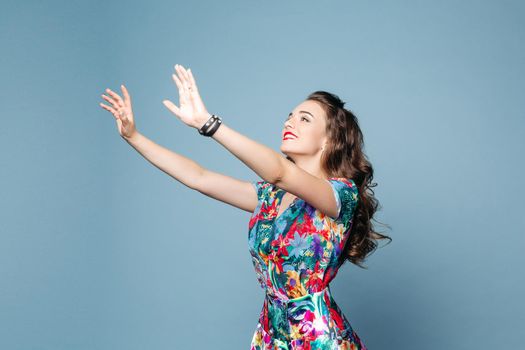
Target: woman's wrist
x,y
202,120
133,137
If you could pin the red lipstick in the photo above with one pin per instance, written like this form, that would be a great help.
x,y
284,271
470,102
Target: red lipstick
x,y
289,133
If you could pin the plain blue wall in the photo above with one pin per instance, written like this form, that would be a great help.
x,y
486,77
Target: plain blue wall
x,y
101,250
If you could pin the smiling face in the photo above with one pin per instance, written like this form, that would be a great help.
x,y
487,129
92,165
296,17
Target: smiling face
x,y
304,130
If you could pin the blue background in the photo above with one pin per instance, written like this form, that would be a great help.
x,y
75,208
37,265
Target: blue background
x,y
101,250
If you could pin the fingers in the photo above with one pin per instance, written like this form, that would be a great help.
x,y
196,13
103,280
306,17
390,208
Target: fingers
x,y
118,105
178,82
127,98
110,100
116,97
195,97
183,92
186,83
183,86
185,78
107,108
192,80
183,74
180,77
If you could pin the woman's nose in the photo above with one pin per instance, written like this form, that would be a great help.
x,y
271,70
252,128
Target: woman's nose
x,y
288,123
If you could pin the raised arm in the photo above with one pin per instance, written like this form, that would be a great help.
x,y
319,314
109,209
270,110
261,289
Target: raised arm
x,y
240,194
274,168
271,166
263,160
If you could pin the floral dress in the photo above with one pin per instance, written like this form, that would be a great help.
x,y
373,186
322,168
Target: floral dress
x,y
295,256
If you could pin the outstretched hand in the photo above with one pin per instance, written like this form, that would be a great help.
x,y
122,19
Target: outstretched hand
x,y
192,111
122,111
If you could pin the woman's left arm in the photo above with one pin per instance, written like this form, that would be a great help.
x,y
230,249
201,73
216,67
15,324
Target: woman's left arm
x,y
263,160
278,170
268,164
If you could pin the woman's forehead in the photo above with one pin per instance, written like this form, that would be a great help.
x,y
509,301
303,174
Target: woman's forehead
x,y
310,106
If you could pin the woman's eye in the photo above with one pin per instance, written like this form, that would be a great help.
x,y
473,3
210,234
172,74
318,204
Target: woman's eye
x,y
303,117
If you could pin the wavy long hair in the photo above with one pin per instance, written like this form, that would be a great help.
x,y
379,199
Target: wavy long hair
x,y
344,156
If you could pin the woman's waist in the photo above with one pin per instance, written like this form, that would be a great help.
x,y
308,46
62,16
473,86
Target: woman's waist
x,y
278,296
284,316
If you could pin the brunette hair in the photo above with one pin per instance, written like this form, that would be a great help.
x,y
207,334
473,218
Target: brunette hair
x,y
344,157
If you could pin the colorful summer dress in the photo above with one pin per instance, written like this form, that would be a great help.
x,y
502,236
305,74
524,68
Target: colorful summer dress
x,y
295,256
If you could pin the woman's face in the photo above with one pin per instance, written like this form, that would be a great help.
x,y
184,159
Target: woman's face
x,y
307,124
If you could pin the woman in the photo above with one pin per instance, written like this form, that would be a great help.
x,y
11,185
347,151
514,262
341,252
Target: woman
x,y
311,211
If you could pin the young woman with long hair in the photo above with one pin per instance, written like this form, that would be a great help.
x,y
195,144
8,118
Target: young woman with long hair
x,y
311,212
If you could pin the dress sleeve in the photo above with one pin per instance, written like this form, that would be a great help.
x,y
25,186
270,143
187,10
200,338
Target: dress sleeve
x,y
259,189
346,196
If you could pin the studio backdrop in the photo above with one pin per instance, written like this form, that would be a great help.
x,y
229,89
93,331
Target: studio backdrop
x,y
99,249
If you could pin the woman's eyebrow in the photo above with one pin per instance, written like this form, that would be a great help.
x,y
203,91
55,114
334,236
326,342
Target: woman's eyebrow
x,y
303,112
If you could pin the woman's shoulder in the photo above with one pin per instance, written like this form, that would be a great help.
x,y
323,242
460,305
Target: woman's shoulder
x,y
345,180
346,194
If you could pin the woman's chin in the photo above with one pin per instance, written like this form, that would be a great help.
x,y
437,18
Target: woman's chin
x,y
284,150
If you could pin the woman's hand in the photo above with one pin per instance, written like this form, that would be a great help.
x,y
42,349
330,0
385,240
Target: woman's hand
x,y
191,111
121,110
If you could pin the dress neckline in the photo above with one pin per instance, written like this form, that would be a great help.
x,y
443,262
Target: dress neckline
x,y
279,199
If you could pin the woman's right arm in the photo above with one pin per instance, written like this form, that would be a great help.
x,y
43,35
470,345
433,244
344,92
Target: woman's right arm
x,y
240,194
